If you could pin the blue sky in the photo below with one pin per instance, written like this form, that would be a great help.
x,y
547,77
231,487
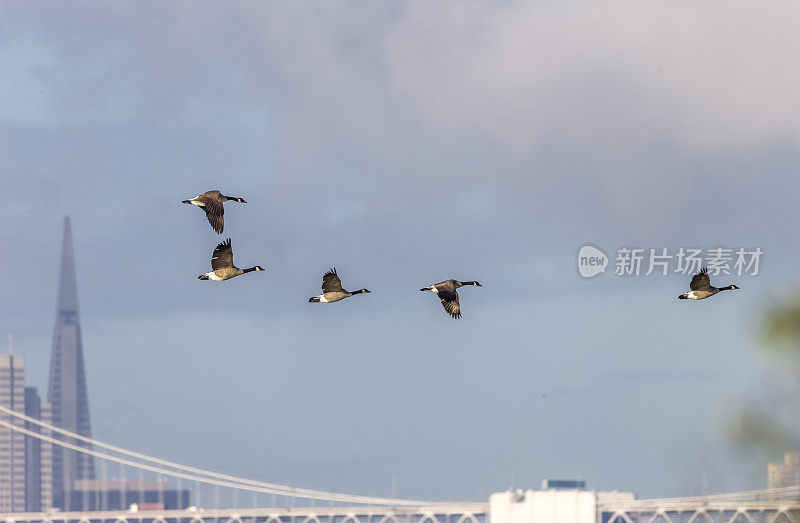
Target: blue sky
x,y
404,143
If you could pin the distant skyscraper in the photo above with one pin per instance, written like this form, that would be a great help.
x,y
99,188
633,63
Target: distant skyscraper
x,y
12,443
25,465
46,462
67,388
33,453
785,475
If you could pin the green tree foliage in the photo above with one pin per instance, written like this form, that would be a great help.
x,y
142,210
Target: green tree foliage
x,y
771,426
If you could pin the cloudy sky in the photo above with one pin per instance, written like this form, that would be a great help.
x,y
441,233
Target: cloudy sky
x,y
405,143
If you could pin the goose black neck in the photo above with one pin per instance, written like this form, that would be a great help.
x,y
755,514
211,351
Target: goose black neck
x,y
728,288
358,291
251,269
469,283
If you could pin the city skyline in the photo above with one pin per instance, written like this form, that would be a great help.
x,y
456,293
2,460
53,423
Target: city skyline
x,y
36,474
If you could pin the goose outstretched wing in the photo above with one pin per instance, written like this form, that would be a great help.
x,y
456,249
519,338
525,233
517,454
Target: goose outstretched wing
x,y
331,282
700,281
450,303
223,256
214,211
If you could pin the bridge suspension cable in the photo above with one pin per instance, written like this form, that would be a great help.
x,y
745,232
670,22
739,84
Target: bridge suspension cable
x,y
187,472
287,490
199,475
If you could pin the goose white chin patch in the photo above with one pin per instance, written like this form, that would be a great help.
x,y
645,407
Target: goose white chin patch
x,y
322,298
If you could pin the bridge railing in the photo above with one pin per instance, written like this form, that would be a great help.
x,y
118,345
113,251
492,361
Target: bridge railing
x,y
767,506
438,513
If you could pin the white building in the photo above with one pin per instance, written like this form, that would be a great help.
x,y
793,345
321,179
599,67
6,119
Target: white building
x,y
550,506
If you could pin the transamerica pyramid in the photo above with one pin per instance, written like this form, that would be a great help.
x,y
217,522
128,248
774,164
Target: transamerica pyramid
x,y
67,388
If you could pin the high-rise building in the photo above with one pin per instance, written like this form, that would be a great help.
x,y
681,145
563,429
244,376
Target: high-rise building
x,y
12,443
67,387
38,459
786,474
25,462
46,462
33,453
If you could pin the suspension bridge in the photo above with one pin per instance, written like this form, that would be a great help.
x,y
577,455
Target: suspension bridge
x,y
290,504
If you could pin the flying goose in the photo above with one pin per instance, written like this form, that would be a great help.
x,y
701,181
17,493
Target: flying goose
x,y
447,293
332,289
222,264
211,202
701,287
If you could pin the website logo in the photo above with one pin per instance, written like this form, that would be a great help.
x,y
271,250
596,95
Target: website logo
x,y
591,261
